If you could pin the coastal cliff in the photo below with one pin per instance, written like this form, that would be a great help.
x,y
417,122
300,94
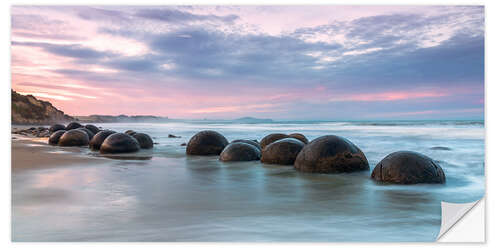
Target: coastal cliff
x,y
26,109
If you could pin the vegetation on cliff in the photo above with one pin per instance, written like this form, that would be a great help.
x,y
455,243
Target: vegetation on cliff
x,y
26,109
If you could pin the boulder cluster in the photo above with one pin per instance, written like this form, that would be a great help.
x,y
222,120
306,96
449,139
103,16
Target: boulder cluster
x,y
32,132
105,141
329,154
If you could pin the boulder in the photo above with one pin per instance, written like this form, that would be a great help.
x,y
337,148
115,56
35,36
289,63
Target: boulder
x,y
98,139
119,143
240,151
206,142
144,140
270,139
56,127
54,137
74,137
406,167
251,142
73,125
89,133
331,154
130,132
283,151
441,148
299,137
92,128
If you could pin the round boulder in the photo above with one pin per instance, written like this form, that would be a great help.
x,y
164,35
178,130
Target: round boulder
x,y
251,142
299,137
206,142
406,167
119,143
270,139
73,125
144,140
89,133
98,139
74,137
240,151
130,132
282,151
92,128
331,154
56,127
54,137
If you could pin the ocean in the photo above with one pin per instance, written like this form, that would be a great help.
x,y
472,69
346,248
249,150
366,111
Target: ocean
x,y
164,195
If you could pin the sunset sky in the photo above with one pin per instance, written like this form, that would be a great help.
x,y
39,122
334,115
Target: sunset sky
x,y
279,62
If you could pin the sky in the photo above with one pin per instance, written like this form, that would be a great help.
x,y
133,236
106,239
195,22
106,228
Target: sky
x,y
279,62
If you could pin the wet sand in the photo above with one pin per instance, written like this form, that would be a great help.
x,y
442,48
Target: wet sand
x,y
34,153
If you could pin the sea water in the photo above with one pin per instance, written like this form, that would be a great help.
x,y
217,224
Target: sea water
x,y
164,195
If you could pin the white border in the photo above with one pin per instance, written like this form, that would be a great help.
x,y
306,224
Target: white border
x,y
492,125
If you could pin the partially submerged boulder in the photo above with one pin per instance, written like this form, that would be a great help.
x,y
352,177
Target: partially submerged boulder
x,y
98,139
407,167
56,127
251,142
55,136
270,139
282,151
119,143
331,154
206,142
73,125
74,137
92,128
299,137
89,133
240,151
144,140
130,132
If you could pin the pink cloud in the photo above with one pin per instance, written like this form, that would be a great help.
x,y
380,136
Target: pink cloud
x,y
388,96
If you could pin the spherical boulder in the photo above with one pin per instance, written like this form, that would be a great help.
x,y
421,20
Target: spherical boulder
x,y
56,127
406,167
206,142
299,137
268,139
73,125
130,132
251,142
240,151
74,137
331,154
89,133
54,137
98,139
283,151
119,143
92,128
144,140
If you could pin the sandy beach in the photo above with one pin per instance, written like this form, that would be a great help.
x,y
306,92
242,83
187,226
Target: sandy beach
x,y
34,153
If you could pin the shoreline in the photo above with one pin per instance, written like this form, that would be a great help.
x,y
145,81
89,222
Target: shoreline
x,y
29,153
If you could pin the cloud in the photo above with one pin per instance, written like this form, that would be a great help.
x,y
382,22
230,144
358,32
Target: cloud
x,y
101,14
194,50
67,50
182,17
